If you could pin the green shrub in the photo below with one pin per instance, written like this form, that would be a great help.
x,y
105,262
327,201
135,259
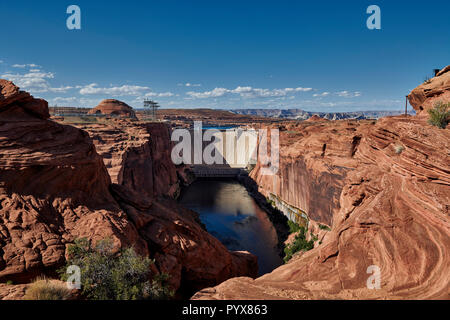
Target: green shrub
x,y
271,203
109,275
439,114
324,227
43,289
300,244
293,227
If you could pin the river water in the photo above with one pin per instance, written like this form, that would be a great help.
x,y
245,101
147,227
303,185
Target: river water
x,y
232,216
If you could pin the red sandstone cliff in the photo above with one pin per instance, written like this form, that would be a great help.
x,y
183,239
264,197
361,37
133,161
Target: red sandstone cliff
x,y
137,155
427,94
54,187
384,188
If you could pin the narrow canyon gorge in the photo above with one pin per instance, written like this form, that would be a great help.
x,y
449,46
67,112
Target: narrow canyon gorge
x,y
56,187
373,192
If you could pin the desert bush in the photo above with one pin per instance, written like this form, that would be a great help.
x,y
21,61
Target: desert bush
x,y
300,244
439,114
109,275
324,227
293,227
44,289
399,148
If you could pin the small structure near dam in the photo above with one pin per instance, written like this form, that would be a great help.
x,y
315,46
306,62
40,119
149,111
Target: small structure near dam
x,y
216,171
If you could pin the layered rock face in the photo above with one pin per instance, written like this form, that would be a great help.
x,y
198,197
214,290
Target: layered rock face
x,y
386,189
426,95
54,188
137,155
114,107
314,160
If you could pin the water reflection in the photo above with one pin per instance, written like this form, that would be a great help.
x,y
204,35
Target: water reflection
x,y
232,216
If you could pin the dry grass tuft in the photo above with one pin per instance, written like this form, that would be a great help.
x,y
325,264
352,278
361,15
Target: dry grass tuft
x,y
45,289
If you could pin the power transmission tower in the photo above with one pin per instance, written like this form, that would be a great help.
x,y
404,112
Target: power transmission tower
x,y
153,106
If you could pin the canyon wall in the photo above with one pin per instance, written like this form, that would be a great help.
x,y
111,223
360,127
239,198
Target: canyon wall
x,y
392,212
384,187
315,158
55,187
137,155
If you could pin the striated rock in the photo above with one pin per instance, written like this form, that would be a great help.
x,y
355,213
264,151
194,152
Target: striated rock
x,y
114,107
314,160
137,155
14,102
54,188
427,94
180,246
387,186
12,292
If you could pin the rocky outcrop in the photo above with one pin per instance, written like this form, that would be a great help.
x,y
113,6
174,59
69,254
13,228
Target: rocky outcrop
x,y
434,90
112,107
315,157
12,292
54,188
137,155
386,186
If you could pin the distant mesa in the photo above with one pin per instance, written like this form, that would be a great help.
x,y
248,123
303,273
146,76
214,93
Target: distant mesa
x,y
112,107
316,118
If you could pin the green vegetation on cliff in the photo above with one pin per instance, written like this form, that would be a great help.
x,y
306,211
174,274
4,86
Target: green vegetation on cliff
x,y
439,114
299,244
110,275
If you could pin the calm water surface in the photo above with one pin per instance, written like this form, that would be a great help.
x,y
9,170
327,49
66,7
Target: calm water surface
x,y
232,216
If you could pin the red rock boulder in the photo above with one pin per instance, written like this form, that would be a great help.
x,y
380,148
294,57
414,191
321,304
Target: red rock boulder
x,y
112,107
427,94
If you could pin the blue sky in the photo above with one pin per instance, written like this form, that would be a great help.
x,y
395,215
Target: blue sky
x,y
313,55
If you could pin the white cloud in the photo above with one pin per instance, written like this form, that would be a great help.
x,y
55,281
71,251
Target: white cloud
x,y
125,90
32,81
35,81
64,99
160,95
348,94
188,84
323,94
60,89
247,92
31,65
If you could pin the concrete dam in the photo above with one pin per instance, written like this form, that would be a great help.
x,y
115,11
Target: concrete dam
x,y
216,153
